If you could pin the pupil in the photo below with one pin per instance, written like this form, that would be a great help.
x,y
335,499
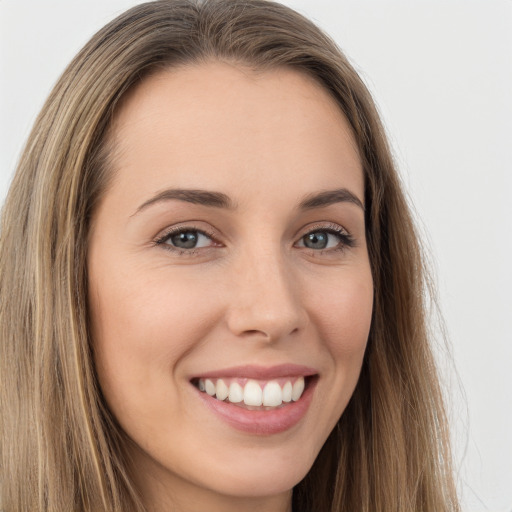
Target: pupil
x,y
317,240
186,240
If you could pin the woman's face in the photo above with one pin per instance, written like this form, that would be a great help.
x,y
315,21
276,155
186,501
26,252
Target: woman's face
x,y
228,266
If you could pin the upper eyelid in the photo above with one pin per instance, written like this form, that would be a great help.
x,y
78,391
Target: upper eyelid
x,y
323,225
170,230
211,233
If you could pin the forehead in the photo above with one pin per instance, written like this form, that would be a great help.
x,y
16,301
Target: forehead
x,y
214,120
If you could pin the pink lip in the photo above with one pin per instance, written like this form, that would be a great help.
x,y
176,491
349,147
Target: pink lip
x,y
260,372
255,421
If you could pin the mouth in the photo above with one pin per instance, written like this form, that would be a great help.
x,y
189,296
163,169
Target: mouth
x,y
255,394
258,400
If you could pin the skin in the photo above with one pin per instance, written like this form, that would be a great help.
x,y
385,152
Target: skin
x,y
251,293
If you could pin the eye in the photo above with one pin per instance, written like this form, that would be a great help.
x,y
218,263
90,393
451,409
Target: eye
x,y
319,240
335,238
188,240
185,239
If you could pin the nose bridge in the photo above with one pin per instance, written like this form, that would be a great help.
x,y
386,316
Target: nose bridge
x,y
265,299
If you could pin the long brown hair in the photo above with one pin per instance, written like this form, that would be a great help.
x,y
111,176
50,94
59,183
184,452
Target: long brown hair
x,y
60,447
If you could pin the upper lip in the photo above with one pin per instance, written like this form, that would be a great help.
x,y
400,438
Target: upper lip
x,y
260,372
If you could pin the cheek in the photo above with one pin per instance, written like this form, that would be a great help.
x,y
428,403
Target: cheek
x,y
343,316
142,328
149,312
343,313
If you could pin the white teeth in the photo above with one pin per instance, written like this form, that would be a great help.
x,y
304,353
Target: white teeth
x,y
221,390
253,395
272,394
209,386
236,393
287,392
298,388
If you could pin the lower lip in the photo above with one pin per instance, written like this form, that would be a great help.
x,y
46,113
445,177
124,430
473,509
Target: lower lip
x,y
261,423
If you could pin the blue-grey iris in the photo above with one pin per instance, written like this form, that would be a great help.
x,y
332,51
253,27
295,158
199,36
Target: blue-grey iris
x,y
316,240
185,240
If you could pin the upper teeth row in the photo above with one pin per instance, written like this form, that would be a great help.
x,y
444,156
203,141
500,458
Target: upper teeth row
x,y
272,394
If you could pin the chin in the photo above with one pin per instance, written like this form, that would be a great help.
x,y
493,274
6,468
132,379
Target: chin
x,y
260,483
261,474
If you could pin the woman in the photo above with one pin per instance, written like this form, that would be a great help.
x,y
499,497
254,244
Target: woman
x,y
222,303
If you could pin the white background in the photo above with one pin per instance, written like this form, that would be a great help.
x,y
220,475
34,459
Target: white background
x,y
441,73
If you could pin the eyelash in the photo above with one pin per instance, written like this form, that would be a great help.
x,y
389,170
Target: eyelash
x,y
346,240
162,239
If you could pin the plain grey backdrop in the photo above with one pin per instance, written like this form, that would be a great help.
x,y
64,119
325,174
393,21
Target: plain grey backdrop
x,y
441,73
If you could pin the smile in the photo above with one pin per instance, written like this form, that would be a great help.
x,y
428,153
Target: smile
x,y
261,394
258,400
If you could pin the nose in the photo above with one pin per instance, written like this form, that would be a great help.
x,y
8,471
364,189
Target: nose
x,y
265,299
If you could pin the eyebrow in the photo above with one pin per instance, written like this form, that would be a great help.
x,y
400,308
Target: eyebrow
x,y
328,197
202,197
220,200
